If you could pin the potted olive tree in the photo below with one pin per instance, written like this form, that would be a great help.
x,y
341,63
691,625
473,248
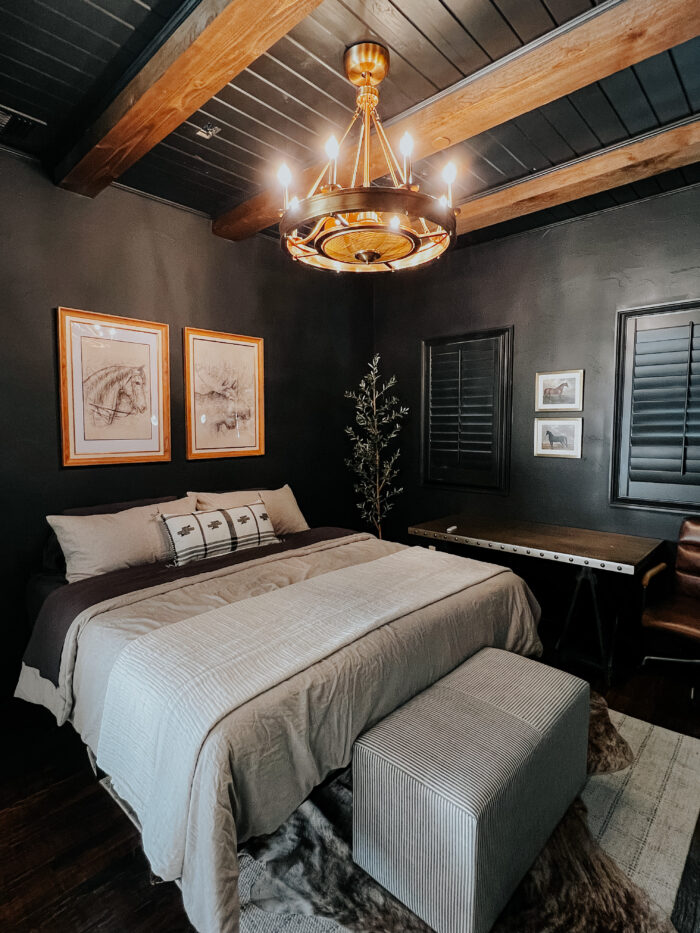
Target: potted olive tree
x,y
378,417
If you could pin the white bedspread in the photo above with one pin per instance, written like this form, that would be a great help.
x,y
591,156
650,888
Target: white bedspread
x,y
170,687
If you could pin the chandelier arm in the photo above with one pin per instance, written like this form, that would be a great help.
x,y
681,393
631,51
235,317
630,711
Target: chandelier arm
x,y
383,137
366,174
318,181
436,237
383,143
312,235
314,187
357,155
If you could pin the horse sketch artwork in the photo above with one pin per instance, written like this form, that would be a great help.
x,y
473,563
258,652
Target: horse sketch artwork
x,y
222,402
223,374
561,438
560,391
115,389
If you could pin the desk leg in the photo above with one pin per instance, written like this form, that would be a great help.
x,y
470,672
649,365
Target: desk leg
x,y
586,574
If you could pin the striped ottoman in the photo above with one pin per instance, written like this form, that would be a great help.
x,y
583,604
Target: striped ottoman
x,y
456,792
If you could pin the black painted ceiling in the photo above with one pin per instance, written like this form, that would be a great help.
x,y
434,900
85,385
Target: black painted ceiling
x,y
61,60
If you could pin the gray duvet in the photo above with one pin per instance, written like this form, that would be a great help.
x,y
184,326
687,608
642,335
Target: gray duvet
x,y
260,759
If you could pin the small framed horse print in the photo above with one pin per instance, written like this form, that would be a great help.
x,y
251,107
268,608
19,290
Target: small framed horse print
x,y
115,389
560,391
559,437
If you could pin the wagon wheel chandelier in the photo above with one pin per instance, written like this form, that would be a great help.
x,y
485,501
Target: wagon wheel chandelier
x,y
365,227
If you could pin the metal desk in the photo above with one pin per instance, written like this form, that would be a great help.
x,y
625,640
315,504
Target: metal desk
x,y
591,551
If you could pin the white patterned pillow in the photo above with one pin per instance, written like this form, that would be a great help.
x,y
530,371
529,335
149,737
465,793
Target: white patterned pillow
x,y
197,535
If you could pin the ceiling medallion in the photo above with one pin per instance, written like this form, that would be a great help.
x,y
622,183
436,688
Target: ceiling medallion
x,y
362,227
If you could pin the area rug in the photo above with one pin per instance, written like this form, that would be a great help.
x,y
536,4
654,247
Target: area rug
x,y
644,816
613,865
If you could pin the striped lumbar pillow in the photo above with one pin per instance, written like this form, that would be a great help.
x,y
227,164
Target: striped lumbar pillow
x,y
197,535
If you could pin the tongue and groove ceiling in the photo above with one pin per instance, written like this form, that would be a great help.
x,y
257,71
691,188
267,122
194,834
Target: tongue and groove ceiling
x,y
63,61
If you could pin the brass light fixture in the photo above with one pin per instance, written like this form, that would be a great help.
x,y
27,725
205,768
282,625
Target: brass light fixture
x,y
365,227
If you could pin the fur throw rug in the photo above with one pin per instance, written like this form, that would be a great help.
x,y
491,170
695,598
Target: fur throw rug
x,y
302,878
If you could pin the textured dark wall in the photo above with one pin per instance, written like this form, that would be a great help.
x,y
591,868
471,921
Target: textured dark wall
x,y
125,255
122,254
561,288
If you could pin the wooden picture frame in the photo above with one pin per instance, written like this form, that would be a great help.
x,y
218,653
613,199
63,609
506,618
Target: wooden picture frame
x,y
114,389
224,394
559,437
560,390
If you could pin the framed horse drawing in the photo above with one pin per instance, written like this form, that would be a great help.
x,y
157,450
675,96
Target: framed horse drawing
x,y
559,391
224,394
558,437
115,389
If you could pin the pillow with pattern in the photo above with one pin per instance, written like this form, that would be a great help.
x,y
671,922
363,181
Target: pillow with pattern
x,y
197,535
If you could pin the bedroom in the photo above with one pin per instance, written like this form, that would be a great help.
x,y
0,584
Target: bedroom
x,y
140,149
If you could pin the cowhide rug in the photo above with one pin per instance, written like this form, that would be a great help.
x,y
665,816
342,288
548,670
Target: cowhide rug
x,y
302,877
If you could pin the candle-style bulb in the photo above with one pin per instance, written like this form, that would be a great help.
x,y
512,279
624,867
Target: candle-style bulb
x,y
449,173
406,147
284,175
332,147
406,144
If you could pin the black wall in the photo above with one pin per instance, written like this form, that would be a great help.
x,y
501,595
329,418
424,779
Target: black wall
x,y
122,254
561,287
125,255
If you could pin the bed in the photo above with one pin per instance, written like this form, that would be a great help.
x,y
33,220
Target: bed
x,y
218,694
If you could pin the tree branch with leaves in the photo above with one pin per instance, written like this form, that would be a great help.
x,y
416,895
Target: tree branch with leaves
x,y
378,417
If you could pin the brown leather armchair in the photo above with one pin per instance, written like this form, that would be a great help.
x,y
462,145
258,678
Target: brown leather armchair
x,y
672,607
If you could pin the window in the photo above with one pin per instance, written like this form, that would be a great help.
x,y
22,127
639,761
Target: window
x,y
466,409
656,456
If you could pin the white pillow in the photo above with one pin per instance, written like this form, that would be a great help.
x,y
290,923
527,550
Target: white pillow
x,y
95,544
281,505
218,531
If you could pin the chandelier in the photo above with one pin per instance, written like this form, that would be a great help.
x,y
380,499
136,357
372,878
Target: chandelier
x,y
364,227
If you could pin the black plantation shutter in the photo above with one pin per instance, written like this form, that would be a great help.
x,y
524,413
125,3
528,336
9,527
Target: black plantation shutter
x,y
467,409
659,450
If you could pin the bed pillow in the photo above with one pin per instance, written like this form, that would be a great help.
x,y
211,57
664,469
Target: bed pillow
x,y
52,559
218,531
95,544
281,506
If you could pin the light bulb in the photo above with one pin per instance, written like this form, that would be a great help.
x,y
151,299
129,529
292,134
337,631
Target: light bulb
x,y
449,173
394,222
443,201
332,147
406,144
284,175
294,203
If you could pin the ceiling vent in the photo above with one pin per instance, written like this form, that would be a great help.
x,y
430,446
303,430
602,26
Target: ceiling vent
x,y
208,131
20,131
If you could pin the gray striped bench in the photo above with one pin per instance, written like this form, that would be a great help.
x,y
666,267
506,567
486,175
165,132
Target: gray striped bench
x,y
456,792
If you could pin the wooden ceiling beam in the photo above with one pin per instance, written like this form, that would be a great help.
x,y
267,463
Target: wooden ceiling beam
x,y
622,164
211,46
606,39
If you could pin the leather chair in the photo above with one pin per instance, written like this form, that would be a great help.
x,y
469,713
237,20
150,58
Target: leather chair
x,y
672,607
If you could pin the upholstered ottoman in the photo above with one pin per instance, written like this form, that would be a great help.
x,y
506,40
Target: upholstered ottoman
x,y
456,792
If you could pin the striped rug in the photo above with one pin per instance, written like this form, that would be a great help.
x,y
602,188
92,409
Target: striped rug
x,y
644,816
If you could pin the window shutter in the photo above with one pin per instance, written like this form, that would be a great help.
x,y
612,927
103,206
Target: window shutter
x,y
467,410
659,450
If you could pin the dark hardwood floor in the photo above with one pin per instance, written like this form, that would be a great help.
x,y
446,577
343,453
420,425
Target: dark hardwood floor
x,y
70,860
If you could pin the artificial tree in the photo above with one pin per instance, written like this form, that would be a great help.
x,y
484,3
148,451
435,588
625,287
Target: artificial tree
x,y
378,417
